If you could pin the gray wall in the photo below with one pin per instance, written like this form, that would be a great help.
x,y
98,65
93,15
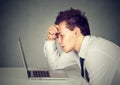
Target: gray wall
x,y
31,18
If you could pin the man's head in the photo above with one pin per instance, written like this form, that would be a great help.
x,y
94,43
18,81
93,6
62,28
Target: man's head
x,y
74,18
73,26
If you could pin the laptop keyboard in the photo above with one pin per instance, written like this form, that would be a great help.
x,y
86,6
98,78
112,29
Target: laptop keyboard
x,y
41,74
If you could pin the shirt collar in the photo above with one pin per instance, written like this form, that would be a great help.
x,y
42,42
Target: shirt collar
x,y
83,51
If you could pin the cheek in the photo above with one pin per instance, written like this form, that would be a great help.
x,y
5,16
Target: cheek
x,y
69,40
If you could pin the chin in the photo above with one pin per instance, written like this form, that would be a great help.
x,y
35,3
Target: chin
x,y
66,51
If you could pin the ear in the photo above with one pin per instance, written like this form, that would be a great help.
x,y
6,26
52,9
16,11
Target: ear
x,y
77,31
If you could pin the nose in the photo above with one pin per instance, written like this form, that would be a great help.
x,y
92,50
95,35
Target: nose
x,y
59,41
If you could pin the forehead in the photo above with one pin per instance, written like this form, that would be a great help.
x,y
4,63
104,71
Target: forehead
x,y
63,26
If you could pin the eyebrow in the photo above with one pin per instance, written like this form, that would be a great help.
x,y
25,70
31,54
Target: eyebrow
x,y
58,33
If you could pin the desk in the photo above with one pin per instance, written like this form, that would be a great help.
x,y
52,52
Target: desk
x,y
17,76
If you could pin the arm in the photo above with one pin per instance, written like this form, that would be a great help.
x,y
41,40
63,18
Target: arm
x,y
55,59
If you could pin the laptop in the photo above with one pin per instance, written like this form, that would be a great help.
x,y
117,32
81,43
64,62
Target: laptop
x,y
41,74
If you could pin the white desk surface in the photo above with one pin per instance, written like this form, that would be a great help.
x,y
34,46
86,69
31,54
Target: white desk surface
x,y
17,76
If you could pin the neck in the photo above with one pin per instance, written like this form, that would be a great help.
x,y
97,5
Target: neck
x,y
78,44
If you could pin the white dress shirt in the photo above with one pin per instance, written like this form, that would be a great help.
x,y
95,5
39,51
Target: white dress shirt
x,y
58,60
101,58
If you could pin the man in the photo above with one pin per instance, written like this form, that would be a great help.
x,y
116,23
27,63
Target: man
x,y
99,56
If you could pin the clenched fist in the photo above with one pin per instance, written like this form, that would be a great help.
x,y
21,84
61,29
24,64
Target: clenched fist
x,y
53,32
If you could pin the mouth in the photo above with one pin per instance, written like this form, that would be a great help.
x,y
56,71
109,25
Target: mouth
x,y
62,47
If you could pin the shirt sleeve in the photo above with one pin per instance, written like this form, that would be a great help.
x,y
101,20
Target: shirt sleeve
x,y
55,59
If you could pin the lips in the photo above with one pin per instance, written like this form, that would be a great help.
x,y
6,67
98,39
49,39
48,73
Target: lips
x,y
62,47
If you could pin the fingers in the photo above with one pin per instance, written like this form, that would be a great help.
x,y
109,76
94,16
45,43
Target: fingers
x,y
57,27
52,31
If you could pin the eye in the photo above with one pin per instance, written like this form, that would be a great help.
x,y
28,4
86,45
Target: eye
x,y
62,36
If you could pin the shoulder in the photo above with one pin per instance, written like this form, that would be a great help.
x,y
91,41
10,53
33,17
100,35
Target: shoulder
x,y
102,47
99,42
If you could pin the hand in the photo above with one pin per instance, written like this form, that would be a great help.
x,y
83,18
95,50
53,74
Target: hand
x,y
52,32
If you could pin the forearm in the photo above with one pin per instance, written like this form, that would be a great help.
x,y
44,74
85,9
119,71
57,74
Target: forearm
x,y
50,53
55,59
